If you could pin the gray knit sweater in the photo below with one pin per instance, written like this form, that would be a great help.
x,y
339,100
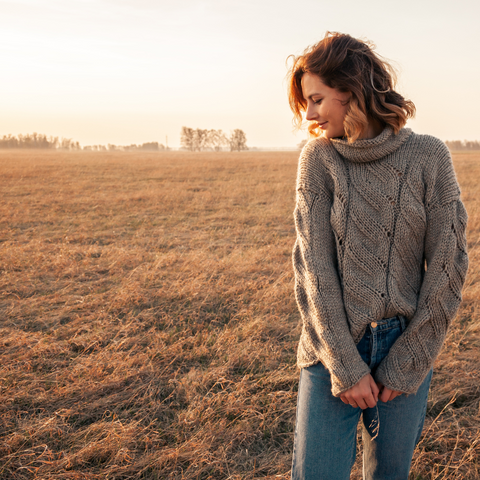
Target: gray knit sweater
x,y
380,232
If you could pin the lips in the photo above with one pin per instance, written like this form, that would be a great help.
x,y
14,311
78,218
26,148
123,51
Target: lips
x,y
323,125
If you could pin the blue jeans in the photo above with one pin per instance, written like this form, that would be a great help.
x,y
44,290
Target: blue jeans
x,y
326,428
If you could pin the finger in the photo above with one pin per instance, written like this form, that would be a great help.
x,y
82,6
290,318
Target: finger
x,y
369,397
353,404
362,404
343,399
375,390
396,394
370,401
390,395
385,395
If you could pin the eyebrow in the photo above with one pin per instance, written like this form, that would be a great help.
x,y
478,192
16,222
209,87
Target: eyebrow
x,y
312,95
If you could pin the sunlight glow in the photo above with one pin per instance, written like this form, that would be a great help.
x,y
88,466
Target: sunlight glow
x,y
130,71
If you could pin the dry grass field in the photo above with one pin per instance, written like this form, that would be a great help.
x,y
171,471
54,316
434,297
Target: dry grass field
x,y
149,328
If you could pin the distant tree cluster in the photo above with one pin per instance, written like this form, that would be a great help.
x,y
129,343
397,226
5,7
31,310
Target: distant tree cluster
x,y
196,140
38,140
238,140
146,147
95,148
463,145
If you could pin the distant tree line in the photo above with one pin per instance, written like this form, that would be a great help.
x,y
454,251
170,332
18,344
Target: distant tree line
x,y
463,145
196,140
451,144
302,144
38,140
146,147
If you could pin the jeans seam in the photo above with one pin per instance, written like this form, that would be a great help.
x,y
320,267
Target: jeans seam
x,y
296,429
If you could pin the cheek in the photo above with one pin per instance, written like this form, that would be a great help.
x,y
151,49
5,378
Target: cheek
x,y
344,112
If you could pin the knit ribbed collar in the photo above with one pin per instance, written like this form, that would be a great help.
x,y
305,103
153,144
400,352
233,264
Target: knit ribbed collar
x,y
362,151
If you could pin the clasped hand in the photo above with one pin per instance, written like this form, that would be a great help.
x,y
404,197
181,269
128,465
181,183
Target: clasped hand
x,y
366,392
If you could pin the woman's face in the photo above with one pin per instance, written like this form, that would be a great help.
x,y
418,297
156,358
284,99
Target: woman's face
x,y
326,106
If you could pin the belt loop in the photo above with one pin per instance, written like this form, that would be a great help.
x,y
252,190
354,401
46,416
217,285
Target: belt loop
x,y
403,324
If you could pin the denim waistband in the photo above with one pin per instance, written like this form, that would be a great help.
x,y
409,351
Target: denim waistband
x,y
387,323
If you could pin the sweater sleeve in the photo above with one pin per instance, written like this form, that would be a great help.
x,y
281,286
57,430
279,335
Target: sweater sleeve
x,y
413,354
325,333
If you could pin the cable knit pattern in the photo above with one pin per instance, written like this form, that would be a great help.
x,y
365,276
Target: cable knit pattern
x,y
380,232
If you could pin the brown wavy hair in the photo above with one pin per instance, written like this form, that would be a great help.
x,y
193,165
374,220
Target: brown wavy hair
x,y
350,65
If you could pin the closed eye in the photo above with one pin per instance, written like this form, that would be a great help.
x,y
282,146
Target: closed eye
x,y
318,102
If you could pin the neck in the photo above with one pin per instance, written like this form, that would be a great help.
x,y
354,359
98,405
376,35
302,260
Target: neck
x,y
374,129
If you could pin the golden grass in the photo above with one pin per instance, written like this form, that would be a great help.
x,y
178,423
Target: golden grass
x,y
149,328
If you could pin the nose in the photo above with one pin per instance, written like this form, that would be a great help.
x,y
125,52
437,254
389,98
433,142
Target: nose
x,y
311,114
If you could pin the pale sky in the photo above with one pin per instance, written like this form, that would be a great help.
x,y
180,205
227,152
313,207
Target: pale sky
x,y
133,71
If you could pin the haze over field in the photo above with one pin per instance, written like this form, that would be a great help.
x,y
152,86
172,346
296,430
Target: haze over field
x,y
134,71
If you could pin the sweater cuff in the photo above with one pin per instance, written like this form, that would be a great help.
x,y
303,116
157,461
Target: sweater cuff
x,y
401,376
344,376
339,387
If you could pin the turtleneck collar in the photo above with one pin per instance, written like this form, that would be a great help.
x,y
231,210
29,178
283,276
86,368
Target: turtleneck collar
x,y
362,151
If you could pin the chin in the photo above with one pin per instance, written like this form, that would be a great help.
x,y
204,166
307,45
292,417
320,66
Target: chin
x,y
329,135
333,134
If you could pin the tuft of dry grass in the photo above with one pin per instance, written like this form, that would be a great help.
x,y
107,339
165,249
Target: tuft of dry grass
x,y
149,328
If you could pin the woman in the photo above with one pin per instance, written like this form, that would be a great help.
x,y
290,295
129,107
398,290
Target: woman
x,y
380,260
